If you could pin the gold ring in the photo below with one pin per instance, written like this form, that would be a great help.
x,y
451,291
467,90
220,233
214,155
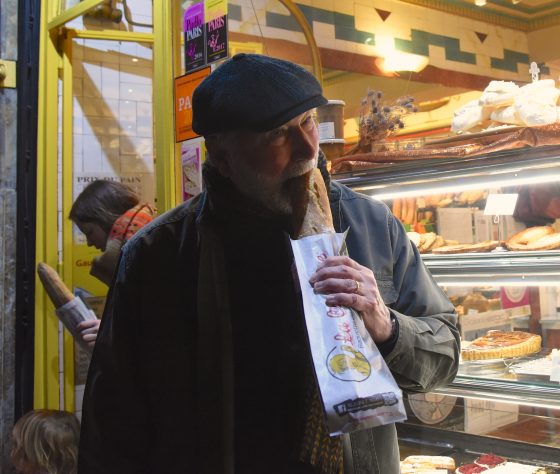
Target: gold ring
x,y
357,286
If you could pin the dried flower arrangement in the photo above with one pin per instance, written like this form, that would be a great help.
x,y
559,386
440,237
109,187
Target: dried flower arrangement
x,y
379,120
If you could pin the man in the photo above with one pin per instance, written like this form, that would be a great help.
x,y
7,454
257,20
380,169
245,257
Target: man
x,y
202,363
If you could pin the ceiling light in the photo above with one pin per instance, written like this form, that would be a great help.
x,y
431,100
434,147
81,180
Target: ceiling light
x,y
515,2
399,61
392,60
480,3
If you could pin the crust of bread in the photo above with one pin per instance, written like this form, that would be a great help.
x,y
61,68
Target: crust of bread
x,y
314,206
502,344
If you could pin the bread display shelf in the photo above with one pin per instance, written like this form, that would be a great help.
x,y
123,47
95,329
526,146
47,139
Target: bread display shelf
x,y
457,147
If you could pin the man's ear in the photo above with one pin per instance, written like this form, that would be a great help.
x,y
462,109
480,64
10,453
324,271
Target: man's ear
x,y
219,156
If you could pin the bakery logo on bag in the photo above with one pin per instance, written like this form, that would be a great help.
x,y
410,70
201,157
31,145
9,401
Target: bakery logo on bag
x,y
367,403
347,364
336,312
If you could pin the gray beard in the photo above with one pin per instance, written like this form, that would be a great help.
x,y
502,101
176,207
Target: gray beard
x,y
272,194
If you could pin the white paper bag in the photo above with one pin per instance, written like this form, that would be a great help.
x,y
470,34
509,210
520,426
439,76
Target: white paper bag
x,y
356,386
73,313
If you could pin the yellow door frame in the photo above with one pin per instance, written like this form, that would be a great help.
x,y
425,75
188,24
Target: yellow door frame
x,y
55,64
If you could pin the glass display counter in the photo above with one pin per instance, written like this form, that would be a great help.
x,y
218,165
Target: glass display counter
x,y
476,252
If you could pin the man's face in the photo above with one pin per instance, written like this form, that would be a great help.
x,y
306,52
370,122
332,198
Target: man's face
x,y
261,164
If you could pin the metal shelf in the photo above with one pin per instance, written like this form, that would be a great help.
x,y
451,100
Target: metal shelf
x,y
418,176
515,391
525,268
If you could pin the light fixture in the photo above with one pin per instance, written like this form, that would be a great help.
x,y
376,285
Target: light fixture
x,y
399,61
480,3
391,60
515,2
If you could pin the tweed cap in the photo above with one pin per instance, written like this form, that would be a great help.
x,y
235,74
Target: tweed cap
x,y
253,92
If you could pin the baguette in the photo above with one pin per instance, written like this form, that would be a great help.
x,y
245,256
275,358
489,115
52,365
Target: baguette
x,y
311,208
54,286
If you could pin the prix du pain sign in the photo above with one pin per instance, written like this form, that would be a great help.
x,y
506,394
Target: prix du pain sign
x,y
205,30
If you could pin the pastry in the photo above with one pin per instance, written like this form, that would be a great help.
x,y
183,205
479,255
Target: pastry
x,y
507,115
520,240
468,116
422,462
428,241
502,344
499,93
475,301
538,107
533,86
414,238
485,246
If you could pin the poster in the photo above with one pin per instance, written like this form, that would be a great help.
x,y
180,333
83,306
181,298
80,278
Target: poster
x,y
194,31
216,39
184,88
191,168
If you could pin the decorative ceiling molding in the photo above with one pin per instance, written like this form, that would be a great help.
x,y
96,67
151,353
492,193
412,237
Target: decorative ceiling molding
x,y
481,36
383,14
529,22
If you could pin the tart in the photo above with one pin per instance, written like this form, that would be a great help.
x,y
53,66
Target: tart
x,y
470,469
502,344
490,460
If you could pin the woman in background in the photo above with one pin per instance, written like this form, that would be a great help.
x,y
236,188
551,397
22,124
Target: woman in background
x,y
109,214
46,442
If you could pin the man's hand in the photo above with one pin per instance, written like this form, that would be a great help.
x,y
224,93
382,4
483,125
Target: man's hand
x,y
347,283
88,330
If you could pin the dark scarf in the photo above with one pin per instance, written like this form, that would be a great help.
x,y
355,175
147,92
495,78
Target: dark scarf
x,y
278,418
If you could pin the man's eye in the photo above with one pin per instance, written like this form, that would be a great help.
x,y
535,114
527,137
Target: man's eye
x,y
308,123
277,136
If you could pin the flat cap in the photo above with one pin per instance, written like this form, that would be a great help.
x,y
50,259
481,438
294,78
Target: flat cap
x,y
253,92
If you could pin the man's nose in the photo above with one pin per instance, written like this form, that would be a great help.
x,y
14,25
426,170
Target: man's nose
x,y
306,142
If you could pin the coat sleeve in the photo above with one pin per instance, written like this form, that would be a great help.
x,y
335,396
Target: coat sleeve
x,y
114,433
426,353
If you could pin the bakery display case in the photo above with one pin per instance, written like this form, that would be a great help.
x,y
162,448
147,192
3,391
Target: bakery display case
x,y
487,229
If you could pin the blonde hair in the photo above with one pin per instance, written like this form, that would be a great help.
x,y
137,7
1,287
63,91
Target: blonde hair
x,y
46,442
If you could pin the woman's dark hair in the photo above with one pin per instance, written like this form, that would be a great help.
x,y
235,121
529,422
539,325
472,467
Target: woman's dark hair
x,y
102,203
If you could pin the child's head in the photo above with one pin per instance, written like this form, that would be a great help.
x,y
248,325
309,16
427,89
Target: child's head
x,y
46,442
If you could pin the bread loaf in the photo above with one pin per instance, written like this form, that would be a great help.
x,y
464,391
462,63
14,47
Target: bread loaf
x,y
311,208
54,286
520,240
